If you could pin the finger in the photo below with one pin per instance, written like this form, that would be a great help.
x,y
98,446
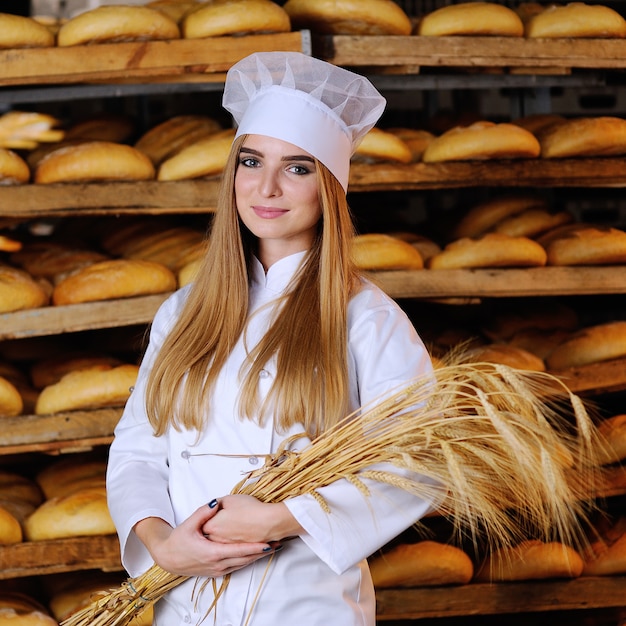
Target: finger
x,y
203,514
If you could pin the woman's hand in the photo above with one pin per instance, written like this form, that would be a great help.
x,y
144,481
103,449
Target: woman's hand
x,y
185,550
243,518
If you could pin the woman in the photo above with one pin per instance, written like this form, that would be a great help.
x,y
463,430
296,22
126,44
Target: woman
x,y
278,335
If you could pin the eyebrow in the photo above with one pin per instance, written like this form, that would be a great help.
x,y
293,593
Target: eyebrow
x,y
295,157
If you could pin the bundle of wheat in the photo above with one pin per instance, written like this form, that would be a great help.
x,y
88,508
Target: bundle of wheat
x,y
504,453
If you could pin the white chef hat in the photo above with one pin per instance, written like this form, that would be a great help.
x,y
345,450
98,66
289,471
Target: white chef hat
x,y
319,107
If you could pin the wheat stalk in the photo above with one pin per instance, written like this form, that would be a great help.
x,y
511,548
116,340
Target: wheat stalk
x,y
506,453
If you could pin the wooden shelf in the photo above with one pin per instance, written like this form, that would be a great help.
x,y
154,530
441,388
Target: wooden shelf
x,y
200,59
35,558
200,195
471,52
501,598
58,432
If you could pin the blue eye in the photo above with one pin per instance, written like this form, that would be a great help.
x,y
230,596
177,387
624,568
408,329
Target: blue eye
x,y
299,169
248,162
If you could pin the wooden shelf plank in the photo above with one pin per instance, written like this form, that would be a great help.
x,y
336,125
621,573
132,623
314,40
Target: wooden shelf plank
x,y
77,199
147,59
509,282
58,430
583,172
501,598
54,320
35,558
471,52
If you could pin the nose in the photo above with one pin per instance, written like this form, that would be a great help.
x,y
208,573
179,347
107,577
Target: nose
x,y
269,185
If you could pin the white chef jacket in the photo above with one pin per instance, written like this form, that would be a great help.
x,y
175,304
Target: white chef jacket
x,y
320,577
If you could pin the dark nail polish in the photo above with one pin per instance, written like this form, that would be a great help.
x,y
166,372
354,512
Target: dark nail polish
x,y
213,504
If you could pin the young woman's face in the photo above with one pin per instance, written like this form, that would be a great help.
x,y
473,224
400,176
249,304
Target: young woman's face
x,y
276,194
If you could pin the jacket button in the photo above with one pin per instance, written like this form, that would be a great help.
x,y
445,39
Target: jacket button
x,y
264,373
253,460
185,454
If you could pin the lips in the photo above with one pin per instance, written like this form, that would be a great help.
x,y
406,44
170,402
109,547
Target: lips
x,y
268,212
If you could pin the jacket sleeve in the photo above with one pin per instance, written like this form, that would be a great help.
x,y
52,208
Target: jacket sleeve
x,y
137,471
385,352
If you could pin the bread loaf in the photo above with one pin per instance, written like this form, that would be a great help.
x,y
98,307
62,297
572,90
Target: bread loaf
x,y
74,473
117,23
230,17
349,17
613,432
17,31
380,145
82,513
592,344
102,127
19,291
482,140
490,250
507,354
14,486
587,246
94,161
421,564
11,617
50,370
486,215
88,389
11,402
206,157
13,169
576,19
607,555
532,222
166,138
21,130
531,560
376,251
415,139
10,528
584,137
117,278
471,18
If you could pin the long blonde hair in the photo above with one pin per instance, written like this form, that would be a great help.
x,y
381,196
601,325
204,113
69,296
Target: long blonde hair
x,y
308,337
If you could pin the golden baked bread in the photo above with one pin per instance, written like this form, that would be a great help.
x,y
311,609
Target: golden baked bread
x,y
19,290
576,19
11,403
424,245
49,259
20,602
613,432
234,17
532,222
490,250
50,370
507,354
536,123
117,23
79,514
206,157
17,31
13,169
472,18
10,528
531,560
587,246
377,251
11,617
349,17
94,161
73,473
606,556
486,215
533,315
416,139
88,389
22,130
174,9
109,280
14,486
421,564
166,138
584,137
102,127
537,341
187,273
380,145
593,344
482,140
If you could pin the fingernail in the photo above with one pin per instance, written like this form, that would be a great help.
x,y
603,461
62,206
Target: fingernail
x,y
213,503
267,548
